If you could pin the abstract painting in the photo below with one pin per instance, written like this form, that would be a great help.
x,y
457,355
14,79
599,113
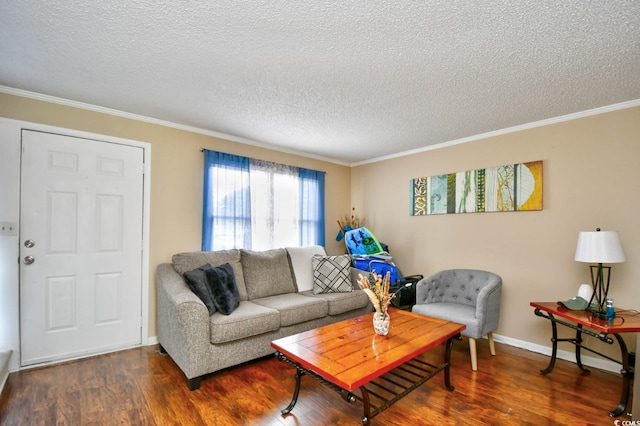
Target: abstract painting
x,y
512,187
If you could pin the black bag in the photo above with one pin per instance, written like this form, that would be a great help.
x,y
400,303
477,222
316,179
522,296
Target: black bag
x,y
405,292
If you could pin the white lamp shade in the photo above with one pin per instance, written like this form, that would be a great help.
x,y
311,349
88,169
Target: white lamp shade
x,y
599,247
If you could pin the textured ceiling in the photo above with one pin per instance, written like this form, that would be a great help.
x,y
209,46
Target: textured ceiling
x,y
343,80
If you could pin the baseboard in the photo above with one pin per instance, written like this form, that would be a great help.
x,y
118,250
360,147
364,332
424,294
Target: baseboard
x,y
4,368
153,340
594,362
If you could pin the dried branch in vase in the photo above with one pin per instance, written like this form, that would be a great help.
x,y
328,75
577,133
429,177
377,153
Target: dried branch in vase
x,y
377,289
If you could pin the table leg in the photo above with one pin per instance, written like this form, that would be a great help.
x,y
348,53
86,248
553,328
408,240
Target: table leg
x,y
447,364
296,391
366,407
627,375
577,345
554,346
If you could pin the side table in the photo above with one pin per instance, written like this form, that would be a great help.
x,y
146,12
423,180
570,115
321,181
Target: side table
x,y
584,323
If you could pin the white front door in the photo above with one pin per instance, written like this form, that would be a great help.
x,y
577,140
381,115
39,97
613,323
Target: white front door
x,y
81,224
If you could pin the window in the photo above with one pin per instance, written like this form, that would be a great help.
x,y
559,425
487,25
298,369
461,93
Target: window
x,y
259,205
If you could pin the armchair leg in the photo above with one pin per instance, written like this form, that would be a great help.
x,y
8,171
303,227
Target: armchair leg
x,y
474,354
492,345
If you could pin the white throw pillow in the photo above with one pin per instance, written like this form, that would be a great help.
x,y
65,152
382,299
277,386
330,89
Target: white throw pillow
x,y
301,264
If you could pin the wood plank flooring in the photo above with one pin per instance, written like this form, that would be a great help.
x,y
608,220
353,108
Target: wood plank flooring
x,y
142,387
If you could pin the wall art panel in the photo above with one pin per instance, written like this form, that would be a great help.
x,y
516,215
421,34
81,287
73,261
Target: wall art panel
x,y
512,187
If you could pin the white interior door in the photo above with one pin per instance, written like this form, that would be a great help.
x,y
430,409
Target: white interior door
x,y
81,215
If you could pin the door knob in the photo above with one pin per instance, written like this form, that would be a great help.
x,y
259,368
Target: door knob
x,y
28,260
29,243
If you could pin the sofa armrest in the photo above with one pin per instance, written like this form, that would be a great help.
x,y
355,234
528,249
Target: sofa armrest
x,y
488,305
183,322
422,290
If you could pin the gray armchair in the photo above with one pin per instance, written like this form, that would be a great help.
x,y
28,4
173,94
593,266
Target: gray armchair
x,y
466,296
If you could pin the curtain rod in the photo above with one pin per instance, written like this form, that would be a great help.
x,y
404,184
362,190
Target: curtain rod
x,y
267,161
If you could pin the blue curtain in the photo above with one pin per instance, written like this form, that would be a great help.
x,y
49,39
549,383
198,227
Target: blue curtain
x,y
311,218
226,218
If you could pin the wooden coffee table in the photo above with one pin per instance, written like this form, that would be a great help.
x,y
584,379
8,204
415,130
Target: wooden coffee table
x,y
348,355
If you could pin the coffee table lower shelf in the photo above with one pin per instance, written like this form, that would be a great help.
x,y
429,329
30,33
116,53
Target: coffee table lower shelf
x,y
382,392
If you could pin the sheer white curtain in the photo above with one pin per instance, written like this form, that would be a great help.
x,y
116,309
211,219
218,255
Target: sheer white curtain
x,y
274,205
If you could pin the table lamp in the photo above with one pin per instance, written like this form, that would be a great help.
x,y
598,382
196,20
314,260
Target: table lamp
x,y
599,247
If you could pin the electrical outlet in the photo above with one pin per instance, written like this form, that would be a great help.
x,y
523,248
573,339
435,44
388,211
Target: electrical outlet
x,y
8,229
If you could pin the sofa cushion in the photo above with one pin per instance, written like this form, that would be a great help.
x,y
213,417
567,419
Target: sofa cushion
x,y
340,303
295,308
331,274
197,282
183,262
223,288
300,258
266,273
247,320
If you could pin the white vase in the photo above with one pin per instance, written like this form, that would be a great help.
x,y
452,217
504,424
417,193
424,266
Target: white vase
x,y
381,323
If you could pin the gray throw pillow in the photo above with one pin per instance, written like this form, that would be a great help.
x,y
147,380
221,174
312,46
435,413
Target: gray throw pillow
x,y
222,283
267,273
197,282
331,274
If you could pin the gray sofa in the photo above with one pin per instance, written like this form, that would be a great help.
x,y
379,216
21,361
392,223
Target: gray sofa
x,y
276,300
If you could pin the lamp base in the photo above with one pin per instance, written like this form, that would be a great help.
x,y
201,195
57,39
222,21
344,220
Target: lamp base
x,y
600,276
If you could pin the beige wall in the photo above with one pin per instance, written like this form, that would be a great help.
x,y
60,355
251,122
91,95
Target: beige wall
x,y
176,174
590,178
591,175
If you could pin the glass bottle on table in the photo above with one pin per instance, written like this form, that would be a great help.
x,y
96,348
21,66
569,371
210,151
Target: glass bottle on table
x,y
610,313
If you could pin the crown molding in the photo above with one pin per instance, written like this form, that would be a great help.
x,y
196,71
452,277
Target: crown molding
x,y
518,128
164,123
232,138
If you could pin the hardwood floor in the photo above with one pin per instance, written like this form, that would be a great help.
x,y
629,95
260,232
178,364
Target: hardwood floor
x,y
142,387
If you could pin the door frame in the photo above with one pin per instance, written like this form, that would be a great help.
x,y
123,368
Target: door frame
x,y
146,215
